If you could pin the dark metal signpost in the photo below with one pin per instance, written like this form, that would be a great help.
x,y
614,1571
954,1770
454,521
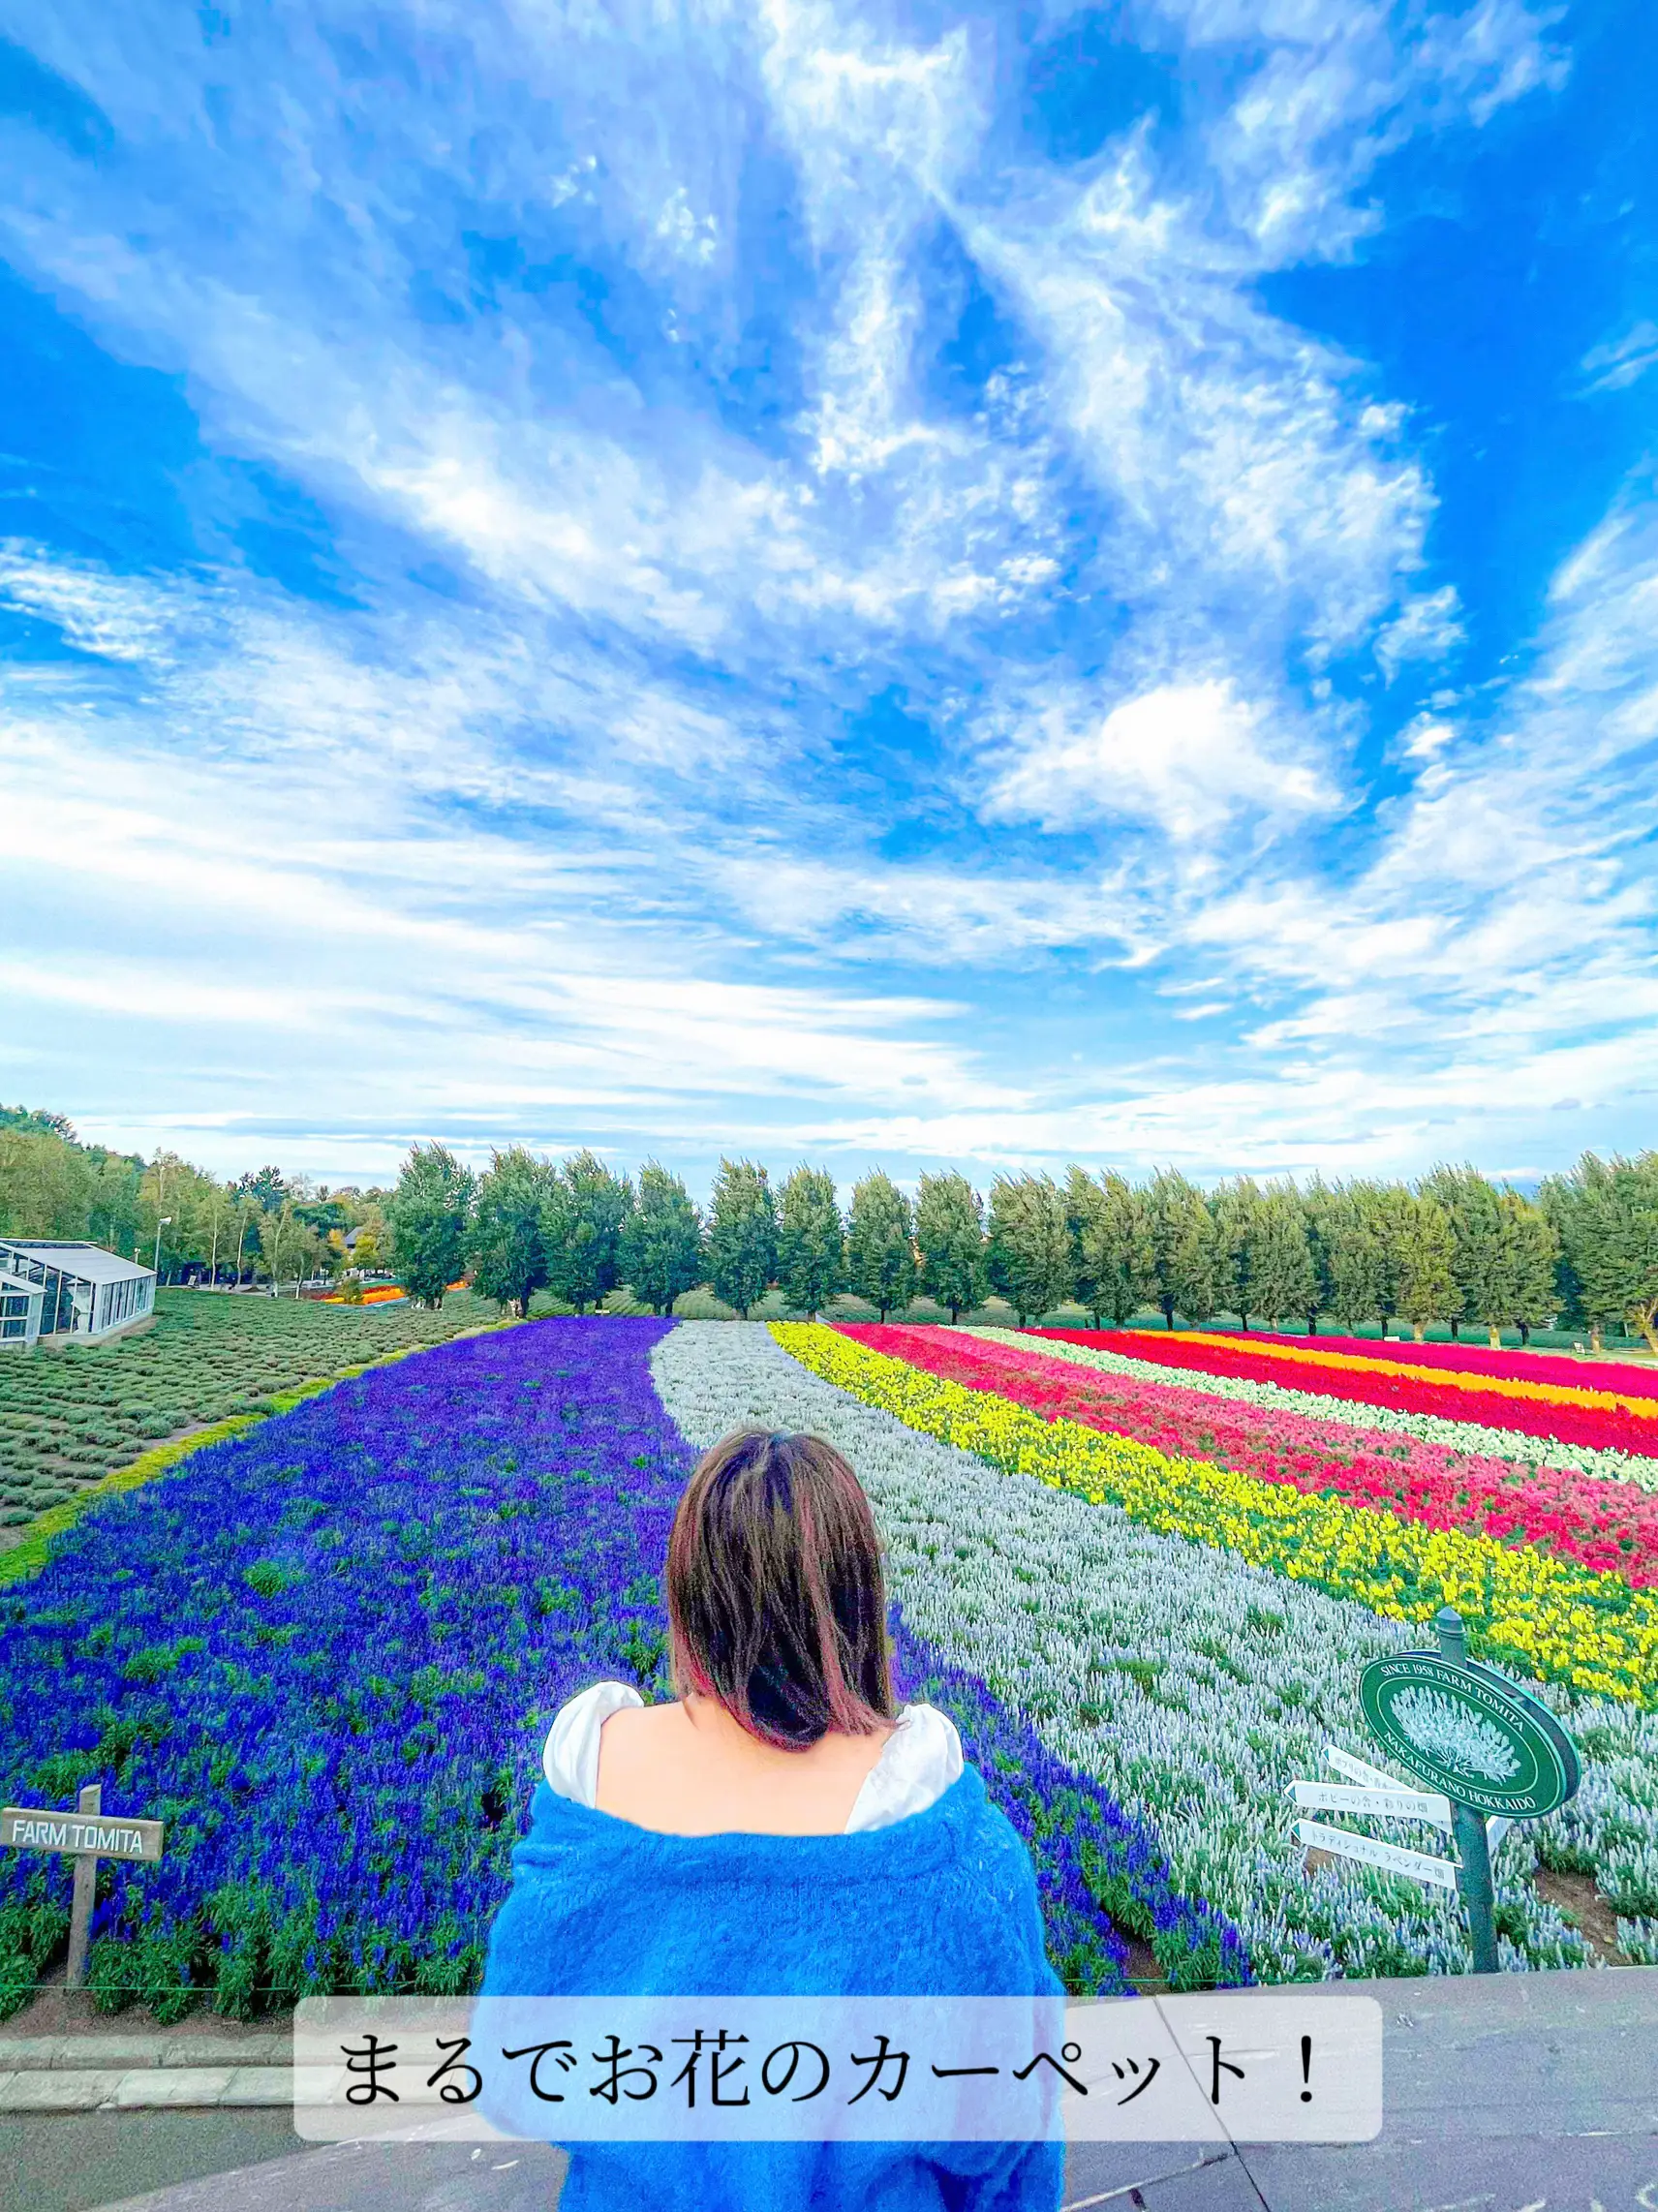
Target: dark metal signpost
x,y
1489,1750
90,1834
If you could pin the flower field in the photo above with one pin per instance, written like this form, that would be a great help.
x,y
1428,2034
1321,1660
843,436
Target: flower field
x,y
1611,1527
327,1651
327,1655
68,1418
1620,1419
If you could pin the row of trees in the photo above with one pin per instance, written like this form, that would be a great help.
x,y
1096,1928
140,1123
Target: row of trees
x,y
1454,1247
180,1217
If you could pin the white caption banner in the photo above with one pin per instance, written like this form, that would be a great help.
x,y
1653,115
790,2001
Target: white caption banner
x,y
1281,2065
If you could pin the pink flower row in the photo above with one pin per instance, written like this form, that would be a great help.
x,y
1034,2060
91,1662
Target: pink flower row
x,y
1473,1359
1610,1526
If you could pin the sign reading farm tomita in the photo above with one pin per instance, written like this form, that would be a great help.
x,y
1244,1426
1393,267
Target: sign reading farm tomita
x,y
1469,1731
28,1827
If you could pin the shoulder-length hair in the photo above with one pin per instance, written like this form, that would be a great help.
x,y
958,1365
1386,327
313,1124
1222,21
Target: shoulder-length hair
x,y
777,1605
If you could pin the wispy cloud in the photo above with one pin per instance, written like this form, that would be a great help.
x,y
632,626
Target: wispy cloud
x,y
857,624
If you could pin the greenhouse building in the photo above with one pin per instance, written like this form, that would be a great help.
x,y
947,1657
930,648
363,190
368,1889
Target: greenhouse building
x,y
55,1292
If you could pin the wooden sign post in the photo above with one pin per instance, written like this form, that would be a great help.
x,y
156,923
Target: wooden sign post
x,y
89,1836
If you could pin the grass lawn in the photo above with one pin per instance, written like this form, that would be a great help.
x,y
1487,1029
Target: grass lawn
x,y
68,1418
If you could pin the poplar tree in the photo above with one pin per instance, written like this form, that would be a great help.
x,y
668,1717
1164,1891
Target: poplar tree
x,y
741,1235
1617,1238
1530,1255
583,1216
1111,1245
428,1218
812,1243
1361,1287
661,1242
1424,1258
1183,1247
949,1235
508,1258
1029,1256
880,1252
1236,1212
1118,1262
1281,1275
1319,1207
1471,1201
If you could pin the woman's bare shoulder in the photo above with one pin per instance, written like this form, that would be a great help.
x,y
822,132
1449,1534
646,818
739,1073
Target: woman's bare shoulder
x,y
644,1724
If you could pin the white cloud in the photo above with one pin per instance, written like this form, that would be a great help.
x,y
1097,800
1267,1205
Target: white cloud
x,y
1426,628
693,237
1622,361
1185,759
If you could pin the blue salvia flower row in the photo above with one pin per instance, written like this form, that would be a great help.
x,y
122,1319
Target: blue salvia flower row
x,y
326,1655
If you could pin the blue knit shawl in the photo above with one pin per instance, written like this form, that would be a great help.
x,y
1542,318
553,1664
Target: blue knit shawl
x,y
941,1904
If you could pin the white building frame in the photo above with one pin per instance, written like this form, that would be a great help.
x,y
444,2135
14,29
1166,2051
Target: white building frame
x,y
62,1291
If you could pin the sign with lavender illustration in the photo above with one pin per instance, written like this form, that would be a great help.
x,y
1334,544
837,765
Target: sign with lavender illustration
x,y
1469,1731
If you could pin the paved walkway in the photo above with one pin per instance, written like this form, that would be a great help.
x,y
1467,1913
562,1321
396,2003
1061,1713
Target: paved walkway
x,y
1519,2092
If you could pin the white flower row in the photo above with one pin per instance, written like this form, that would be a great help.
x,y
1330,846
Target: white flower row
x,y
1192,1686
1471,1436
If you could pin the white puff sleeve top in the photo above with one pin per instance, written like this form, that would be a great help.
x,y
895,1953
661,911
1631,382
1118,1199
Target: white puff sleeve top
x,y
920,1760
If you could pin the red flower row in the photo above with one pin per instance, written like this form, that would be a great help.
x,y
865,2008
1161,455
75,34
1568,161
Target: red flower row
x,y
1471,1359
1611,1527
1604,1431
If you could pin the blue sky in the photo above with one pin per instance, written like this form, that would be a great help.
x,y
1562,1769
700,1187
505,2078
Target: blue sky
x,y
871,583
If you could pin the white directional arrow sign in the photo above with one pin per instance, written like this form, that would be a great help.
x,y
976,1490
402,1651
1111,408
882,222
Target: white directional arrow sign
x,y
1396,1803
1359,1771
1376,1794
1418,1864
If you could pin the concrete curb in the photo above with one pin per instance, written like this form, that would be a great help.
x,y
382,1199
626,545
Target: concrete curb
x,y
110,2089
37,2054
123,2073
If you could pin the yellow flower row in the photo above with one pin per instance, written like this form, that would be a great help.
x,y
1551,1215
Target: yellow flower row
x,y
1458,1378
1538,1614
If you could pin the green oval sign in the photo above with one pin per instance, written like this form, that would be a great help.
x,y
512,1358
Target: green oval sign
x,y
1469,1732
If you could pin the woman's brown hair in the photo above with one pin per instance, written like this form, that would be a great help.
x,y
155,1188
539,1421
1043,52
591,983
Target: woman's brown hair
x,y
777,1603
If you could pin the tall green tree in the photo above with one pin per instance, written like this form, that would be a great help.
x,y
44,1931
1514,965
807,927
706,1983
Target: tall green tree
x,y
51,1185
1029,1253
662,1243
1320,1207
881,1250
583,1218
812,1241
1235,1211
427,1221
47,1184
1530,1254
1614,1240
504,1245
1362,1281
1281,1277
950,1237
1183,1247
1471,1201
1113,1264
1423,1262
741,1235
